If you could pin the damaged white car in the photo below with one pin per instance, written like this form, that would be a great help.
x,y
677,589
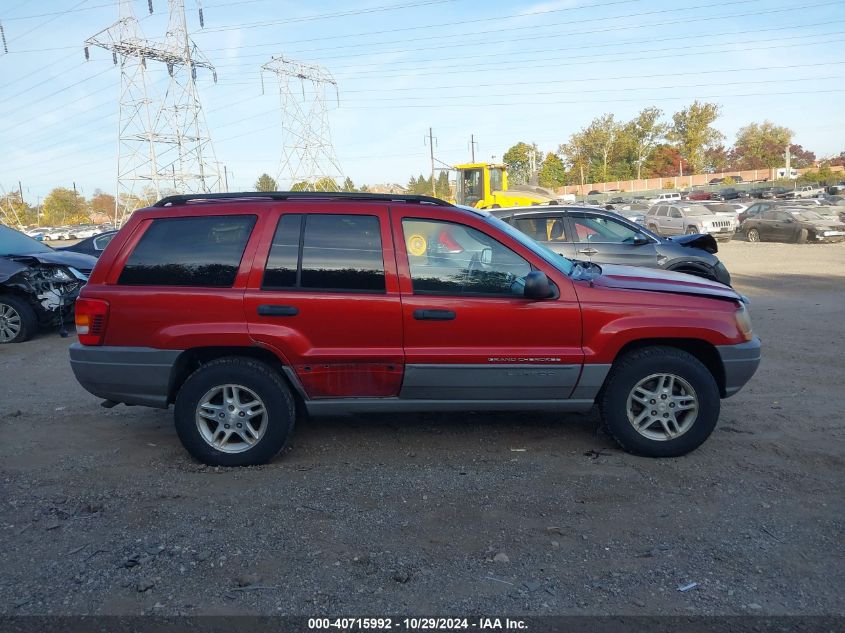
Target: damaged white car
x,y
38,285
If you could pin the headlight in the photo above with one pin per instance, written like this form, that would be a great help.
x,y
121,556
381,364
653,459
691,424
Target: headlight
x,y
743,321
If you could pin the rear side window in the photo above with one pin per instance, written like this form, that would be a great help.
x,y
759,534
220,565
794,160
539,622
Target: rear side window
x,y
326,252
203,251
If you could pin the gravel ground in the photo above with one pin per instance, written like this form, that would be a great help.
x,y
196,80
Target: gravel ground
x,y
103,512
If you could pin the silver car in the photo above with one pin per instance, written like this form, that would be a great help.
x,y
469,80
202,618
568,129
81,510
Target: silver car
x,y
680,219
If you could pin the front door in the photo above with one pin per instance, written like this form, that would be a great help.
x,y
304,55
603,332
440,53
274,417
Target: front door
x,y
326,297
470,334
604,240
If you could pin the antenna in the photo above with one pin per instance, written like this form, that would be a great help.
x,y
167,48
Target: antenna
x,y
308,157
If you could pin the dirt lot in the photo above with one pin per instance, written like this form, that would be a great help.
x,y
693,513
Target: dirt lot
x,y
103,512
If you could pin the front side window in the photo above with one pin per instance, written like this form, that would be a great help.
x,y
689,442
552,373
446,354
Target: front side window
x,y
453,259
202,251
674,213
601,229
470,186
326,252
496,179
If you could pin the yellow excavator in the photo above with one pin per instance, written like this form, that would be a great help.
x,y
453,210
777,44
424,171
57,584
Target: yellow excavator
x,y
485,186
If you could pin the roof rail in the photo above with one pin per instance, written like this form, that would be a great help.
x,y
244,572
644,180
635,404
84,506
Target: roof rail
x,y
181,199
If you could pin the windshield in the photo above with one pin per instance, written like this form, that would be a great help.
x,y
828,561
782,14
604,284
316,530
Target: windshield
x,y
15,243
558,261
721,208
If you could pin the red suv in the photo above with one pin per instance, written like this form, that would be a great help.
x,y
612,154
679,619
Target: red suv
x,y
247,311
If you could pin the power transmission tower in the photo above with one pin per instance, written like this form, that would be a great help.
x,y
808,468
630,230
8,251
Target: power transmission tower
x,y
308,156
137,165
163,143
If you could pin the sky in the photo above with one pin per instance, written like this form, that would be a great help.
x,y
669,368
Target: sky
x,y
501,71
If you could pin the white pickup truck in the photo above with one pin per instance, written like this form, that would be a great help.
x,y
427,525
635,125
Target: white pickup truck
x,y
807,191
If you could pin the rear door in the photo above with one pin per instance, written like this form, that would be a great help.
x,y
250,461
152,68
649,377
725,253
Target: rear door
x,y
674,221
323,293
550,230
470,334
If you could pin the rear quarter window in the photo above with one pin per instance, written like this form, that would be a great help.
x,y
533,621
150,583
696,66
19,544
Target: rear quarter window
x,y
204,251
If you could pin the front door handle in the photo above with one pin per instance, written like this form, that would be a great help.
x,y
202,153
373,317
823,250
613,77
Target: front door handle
x,y
434,315
588,251
277,311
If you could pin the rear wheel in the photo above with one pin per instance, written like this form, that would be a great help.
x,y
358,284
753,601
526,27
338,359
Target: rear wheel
x,y
660,402
18,321
234,412
801,238
753,235
691,230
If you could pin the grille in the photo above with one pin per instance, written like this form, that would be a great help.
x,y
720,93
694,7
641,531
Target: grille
x,y
721,223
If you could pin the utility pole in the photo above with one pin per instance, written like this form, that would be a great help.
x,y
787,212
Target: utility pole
x,y
788,162
20,190
472,144
431,140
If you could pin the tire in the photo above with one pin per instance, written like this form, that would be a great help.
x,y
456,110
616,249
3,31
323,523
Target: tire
x,y
752,235
252,379
18,321
691,230
691,427
801,238
653,228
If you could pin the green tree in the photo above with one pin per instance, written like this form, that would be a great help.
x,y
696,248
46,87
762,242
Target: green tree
x,y
325,184
302,185
576,158
348,185
644,132
692,132
441,187
102,203
601,138
519,160
15,212
64,206
761,146
662,162
717,159
265,183
552,172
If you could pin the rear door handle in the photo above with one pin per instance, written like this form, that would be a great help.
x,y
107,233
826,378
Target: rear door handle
x,y
434,315
277,311
588,251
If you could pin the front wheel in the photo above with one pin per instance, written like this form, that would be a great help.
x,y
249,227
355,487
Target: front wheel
x,y
802,236
753,235
18,321
691,230
660,402
234,412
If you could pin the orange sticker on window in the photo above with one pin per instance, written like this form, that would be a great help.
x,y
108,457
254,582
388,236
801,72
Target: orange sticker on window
x,y
416,245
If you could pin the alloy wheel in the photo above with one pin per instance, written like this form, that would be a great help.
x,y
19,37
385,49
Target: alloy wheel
x,y
662,407
10,323
231,418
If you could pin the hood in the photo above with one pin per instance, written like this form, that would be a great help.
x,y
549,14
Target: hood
x,y
657,280
704,241
80,261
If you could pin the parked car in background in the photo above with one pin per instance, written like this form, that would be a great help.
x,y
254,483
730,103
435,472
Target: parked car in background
x,y
728,193
793,224
442,309
680,219
805,191
699,195
37,284
716,181
83,231
672,196
93,246
767,192
605,238
58,233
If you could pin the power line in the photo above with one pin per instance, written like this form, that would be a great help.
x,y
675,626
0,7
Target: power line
x,y
46,22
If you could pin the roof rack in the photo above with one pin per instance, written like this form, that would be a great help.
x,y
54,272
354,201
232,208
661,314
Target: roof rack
x,y
171,201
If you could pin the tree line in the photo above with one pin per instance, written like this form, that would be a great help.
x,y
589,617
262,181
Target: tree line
x,y
652,146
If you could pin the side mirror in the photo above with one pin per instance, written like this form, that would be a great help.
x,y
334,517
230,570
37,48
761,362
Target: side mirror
x,y
537,285
487,256
640,239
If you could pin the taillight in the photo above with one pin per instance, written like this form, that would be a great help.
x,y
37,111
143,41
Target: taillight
x,y
91,316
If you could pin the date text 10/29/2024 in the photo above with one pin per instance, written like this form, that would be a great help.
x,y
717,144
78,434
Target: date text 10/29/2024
x,y
416,624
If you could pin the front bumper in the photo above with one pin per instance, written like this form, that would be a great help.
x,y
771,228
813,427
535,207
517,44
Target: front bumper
x,y
132,375
740,362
